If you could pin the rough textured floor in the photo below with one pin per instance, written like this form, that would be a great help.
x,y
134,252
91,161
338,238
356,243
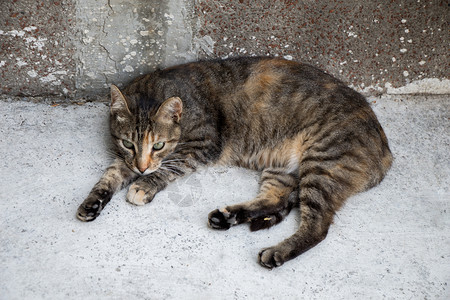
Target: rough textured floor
x,y
392,242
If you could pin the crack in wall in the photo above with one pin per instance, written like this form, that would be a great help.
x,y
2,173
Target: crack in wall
x,y
109,4
111,46
126,39
110,13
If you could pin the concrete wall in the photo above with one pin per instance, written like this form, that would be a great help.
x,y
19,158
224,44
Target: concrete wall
x,y
77,48
37,53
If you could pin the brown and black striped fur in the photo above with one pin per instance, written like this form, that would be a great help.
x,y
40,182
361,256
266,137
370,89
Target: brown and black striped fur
x,y
315,141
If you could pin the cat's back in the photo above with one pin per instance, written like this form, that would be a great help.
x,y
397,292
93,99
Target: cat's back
x,y
278,91
272,93
250,73
241,79
246,82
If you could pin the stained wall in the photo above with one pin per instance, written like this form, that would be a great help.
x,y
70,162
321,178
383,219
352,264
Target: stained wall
x,y
375,46
77,48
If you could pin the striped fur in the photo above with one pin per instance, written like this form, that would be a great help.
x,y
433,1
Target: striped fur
x,y
315,141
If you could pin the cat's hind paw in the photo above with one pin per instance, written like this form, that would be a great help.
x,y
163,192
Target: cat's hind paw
x,y
221,219
265,222
270,258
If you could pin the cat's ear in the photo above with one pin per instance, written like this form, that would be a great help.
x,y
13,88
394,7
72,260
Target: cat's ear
x,y
170,110
118,101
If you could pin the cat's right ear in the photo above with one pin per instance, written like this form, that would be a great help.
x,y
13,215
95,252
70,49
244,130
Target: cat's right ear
x,y
118,102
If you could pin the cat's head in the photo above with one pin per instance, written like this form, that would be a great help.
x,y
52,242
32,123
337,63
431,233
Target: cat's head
x,y
144,134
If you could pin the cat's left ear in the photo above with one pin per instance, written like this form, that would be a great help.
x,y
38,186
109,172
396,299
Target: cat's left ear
x,y
170,110
118,102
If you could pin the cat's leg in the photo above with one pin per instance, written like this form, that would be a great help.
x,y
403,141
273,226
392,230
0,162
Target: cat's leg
x,y
323,188
144,189
314,224
116,176
276,198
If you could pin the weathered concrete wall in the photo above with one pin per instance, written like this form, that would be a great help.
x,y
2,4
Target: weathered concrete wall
x,y
372,44
79,47
116,40
37,53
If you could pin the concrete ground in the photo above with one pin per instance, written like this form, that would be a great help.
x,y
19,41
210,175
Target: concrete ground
x,y
392,242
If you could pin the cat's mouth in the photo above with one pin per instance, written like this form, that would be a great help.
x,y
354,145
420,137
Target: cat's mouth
x,y
143,172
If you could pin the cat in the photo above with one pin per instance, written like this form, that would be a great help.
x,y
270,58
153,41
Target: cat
x,y
315,141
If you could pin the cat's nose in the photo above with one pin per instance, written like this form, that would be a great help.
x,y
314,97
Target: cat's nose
x,y
143,162
142,169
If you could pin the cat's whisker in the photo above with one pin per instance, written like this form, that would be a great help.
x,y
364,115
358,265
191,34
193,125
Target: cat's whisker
x,y
177,159
174,160
171,165
173,171
174,168
170,170
114,154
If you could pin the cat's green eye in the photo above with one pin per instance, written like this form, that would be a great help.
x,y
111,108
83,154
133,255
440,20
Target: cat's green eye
x,y
158,146
127,144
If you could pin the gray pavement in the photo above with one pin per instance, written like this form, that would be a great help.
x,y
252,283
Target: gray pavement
x,y
391,242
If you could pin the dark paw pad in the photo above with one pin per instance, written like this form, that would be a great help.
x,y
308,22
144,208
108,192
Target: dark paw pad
x,y
265,222
270,258
89,213
221,219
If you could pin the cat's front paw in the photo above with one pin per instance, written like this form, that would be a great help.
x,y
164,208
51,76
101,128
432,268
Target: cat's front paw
x,y
87,214
140,193
89,210
93,205
221,219
270,258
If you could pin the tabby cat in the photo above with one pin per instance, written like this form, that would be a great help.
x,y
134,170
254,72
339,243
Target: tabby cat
x,y
315,141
